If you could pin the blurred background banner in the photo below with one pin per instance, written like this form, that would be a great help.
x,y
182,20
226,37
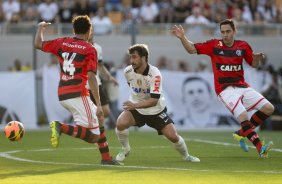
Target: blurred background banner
x,y
190,98
17,98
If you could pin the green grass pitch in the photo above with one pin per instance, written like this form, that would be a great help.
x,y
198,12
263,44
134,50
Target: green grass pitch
x,y
152,160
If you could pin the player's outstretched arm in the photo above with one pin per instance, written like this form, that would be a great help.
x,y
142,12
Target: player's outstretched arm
x,y
106,74
179,32
94,89
257,58
38,40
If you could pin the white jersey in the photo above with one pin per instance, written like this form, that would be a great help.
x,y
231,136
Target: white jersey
x,y
144,87
100,59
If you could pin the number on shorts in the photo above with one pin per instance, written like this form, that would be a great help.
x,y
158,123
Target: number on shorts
x,y
162,115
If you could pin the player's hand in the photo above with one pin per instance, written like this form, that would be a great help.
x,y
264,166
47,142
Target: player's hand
x,y
113,80
178,31
128,106
43,24
259,56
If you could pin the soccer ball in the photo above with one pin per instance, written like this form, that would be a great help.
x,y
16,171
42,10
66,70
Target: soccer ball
x,y
14,130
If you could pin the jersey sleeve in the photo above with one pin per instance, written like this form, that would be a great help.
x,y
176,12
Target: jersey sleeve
x,y
156,85
99,52
249,54
126,72
51,46
92,61
204,47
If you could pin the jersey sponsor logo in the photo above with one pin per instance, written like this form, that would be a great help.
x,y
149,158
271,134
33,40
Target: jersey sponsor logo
x,y
146,82
139,82
157,84
128,71
140,90
67,77
239,52
74,46
228,68
228,53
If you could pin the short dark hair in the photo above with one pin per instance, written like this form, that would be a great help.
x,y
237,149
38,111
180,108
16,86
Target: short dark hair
x,y
81,24
141,49
228,21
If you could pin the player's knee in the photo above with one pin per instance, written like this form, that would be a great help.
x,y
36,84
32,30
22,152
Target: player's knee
x,y
120,123
268,109
173,137
120,126
243,116
94,138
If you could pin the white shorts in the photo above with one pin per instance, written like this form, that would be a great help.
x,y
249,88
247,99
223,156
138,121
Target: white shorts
x,y
84,112
238,100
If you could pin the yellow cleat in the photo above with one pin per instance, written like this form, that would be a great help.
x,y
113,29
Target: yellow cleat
x,y
56,133
241,141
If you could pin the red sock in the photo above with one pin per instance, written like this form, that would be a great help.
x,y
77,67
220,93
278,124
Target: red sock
x,y
77,132
103,145
251,134
258,118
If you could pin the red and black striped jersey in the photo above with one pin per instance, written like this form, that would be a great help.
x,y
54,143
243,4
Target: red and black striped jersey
x,y
227,62
76,58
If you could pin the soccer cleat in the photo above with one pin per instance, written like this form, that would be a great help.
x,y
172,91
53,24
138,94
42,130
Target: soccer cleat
x,y
191,158
56,133
122,154
111,162
241,141
264,149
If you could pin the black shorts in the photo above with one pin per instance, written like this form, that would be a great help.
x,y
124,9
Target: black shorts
x,y
157,121
103,96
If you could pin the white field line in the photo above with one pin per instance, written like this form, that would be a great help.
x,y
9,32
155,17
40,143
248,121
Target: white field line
x,y
8,155
226,144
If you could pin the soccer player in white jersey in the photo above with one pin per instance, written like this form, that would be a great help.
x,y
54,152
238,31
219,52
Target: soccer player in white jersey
x,y
146,104
104,100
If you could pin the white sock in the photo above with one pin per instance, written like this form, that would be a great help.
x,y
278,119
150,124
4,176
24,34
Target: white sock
x,y
181,147
123,138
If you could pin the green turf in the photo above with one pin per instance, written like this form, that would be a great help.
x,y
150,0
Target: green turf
x,y
152,160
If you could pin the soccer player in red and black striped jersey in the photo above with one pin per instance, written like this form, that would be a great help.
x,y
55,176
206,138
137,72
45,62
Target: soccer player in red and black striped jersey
x,y
78,64
227,55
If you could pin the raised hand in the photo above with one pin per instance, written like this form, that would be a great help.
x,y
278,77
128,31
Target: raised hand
x,y
43,24
259,56
178,31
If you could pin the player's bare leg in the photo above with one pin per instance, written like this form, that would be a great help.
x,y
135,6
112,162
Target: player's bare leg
x,y
178,142
124,121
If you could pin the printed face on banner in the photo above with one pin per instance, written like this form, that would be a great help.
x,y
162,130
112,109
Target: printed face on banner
x,y
196,95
